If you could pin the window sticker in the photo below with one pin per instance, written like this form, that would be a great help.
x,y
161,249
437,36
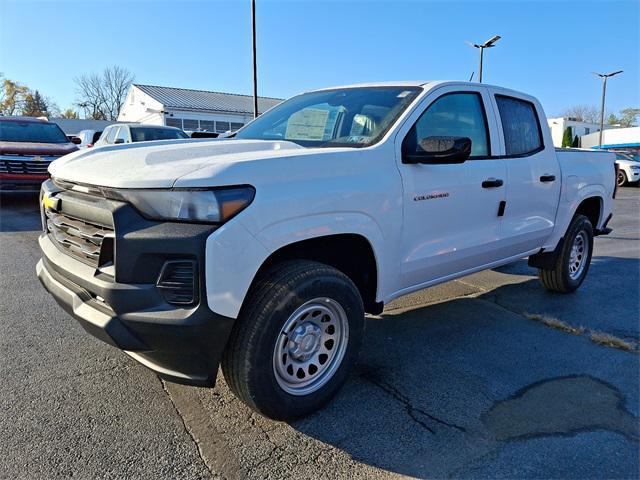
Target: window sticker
x,y
307,124
403,94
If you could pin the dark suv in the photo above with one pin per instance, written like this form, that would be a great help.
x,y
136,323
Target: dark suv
x,y
27,147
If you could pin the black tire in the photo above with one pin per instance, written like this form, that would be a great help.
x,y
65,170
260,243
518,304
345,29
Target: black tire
x,y
248,363
621,178
559,279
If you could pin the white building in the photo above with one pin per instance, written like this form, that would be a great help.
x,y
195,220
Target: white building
x,y
620,139
190,109
578,128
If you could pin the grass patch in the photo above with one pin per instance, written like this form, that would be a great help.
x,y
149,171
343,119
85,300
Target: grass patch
x,y
610,340
555,323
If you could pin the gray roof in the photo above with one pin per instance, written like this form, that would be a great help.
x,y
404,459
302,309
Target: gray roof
x,y
203,100
72,126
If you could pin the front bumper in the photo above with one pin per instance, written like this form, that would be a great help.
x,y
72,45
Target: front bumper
x,y
182,343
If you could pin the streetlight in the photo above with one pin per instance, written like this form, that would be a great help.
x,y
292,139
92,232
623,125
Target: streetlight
x,y
604,77
255,65
488,44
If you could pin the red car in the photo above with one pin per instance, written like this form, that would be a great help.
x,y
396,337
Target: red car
x,y
27,147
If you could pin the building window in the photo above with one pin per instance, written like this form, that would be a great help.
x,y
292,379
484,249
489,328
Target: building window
x,y
222,127
236,126
190,124
208,125
173,122
587,130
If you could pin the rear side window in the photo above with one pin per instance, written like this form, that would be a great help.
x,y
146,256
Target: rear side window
x,y
520,125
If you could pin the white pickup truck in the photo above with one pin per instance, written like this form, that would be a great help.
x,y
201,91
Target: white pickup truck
x,y
263,252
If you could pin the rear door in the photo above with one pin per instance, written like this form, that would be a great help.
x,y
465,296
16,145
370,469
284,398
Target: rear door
x,y
533,172
451,221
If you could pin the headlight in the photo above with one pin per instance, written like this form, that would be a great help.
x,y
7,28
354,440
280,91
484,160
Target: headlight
x,y
635,167
215,205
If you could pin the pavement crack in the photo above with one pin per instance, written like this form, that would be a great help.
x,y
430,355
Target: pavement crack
x,y
186,429
411,410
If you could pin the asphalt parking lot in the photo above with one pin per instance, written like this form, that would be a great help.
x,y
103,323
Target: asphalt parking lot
x,y
463,380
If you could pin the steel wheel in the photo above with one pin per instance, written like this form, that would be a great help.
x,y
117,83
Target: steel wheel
x,y
311,346
578,256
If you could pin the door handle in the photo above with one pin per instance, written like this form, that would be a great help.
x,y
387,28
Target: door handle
x,y
492,183
547,178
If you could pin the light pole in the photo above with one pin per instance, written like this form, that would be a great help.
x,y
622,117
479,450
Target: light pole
x,y
488,44
255,64
604,77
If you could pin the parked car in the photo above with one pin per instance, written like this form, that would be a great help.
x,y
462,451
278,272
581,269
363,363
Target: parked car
x,y
628,169
264,251
27,147
88,138
134,132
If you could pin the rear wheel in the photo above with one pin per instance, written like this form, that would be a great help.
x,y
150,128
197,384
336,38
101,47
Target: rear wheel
x,y
621,178
295,341
573,262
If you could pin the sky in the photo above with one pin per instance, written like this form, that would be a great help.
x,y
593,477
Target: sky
x,y
548,48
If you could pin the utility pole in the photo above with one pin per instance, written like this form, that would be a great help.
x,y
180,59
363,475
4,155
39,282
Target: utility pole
x,y
604,77
488,44
255,61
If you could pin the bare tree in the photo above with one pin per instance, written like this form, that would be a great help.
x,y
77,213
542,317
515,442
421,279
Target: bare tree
x,y
102,95
583,113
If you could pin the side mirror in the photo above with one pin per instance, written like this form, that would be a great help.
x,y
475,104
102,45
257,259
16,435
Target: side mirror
x,y
75,140
439,150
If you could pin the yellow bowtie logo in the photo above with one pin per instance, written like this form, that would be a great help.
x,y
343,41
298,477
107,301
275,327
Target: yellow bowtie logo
x,y
49,202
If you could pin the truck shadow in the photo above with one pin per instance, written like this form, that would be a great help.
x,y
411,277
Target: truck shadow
x,y
433,394
19,212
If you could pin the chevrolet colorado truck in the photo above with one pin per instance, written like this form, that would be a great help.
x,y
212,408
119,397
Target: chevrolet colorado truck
x,y
262,252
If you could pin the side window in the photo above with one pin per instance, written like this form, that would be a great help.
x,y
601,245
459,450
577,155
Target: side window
x,y
453,115
122,135
520,125
110,134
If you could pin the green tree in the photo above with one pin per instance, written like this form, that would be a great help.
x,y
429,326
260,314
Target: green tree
x,y
567,138
12,97
69,113
612,119
35,105
629,117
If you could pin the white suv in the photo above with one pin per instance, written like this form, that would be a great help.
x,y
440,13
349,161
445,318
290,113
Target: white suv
x,y
134,132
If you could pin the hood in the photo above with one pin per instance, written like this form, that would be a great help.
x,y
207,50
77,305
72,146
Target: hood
x,y
159,164
31,148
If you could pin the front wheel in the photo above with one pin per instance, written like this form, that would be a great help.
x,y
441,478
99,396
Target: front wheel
x,y
621,178
295,341
574,259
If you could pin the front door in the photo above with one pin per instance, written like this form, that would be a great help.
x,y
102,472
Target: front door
x,y
451,211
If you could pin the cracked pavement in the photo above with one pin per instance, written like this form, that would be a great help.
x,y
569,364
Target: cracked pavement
x,y
453,381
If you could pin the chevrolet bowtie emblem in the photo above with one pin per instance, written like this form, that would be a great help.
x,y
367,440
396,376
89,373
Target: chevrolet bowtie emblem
x,y
50,202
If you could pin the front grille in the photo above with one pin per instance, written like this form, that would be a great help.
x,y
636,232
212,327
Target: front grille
x,y
78,238
24,166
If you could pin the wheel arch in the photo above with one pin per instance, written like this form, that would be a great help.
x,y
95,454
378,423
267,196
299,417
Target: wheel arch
x,y
350,253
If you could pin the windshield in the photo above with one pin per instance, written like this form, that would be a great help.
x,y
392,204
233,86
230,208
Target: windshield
x,y
11,131
627,156
145,134
351,117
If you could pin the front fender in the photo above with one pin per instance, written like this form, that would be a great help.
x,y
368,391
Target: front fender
x,y
234,255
